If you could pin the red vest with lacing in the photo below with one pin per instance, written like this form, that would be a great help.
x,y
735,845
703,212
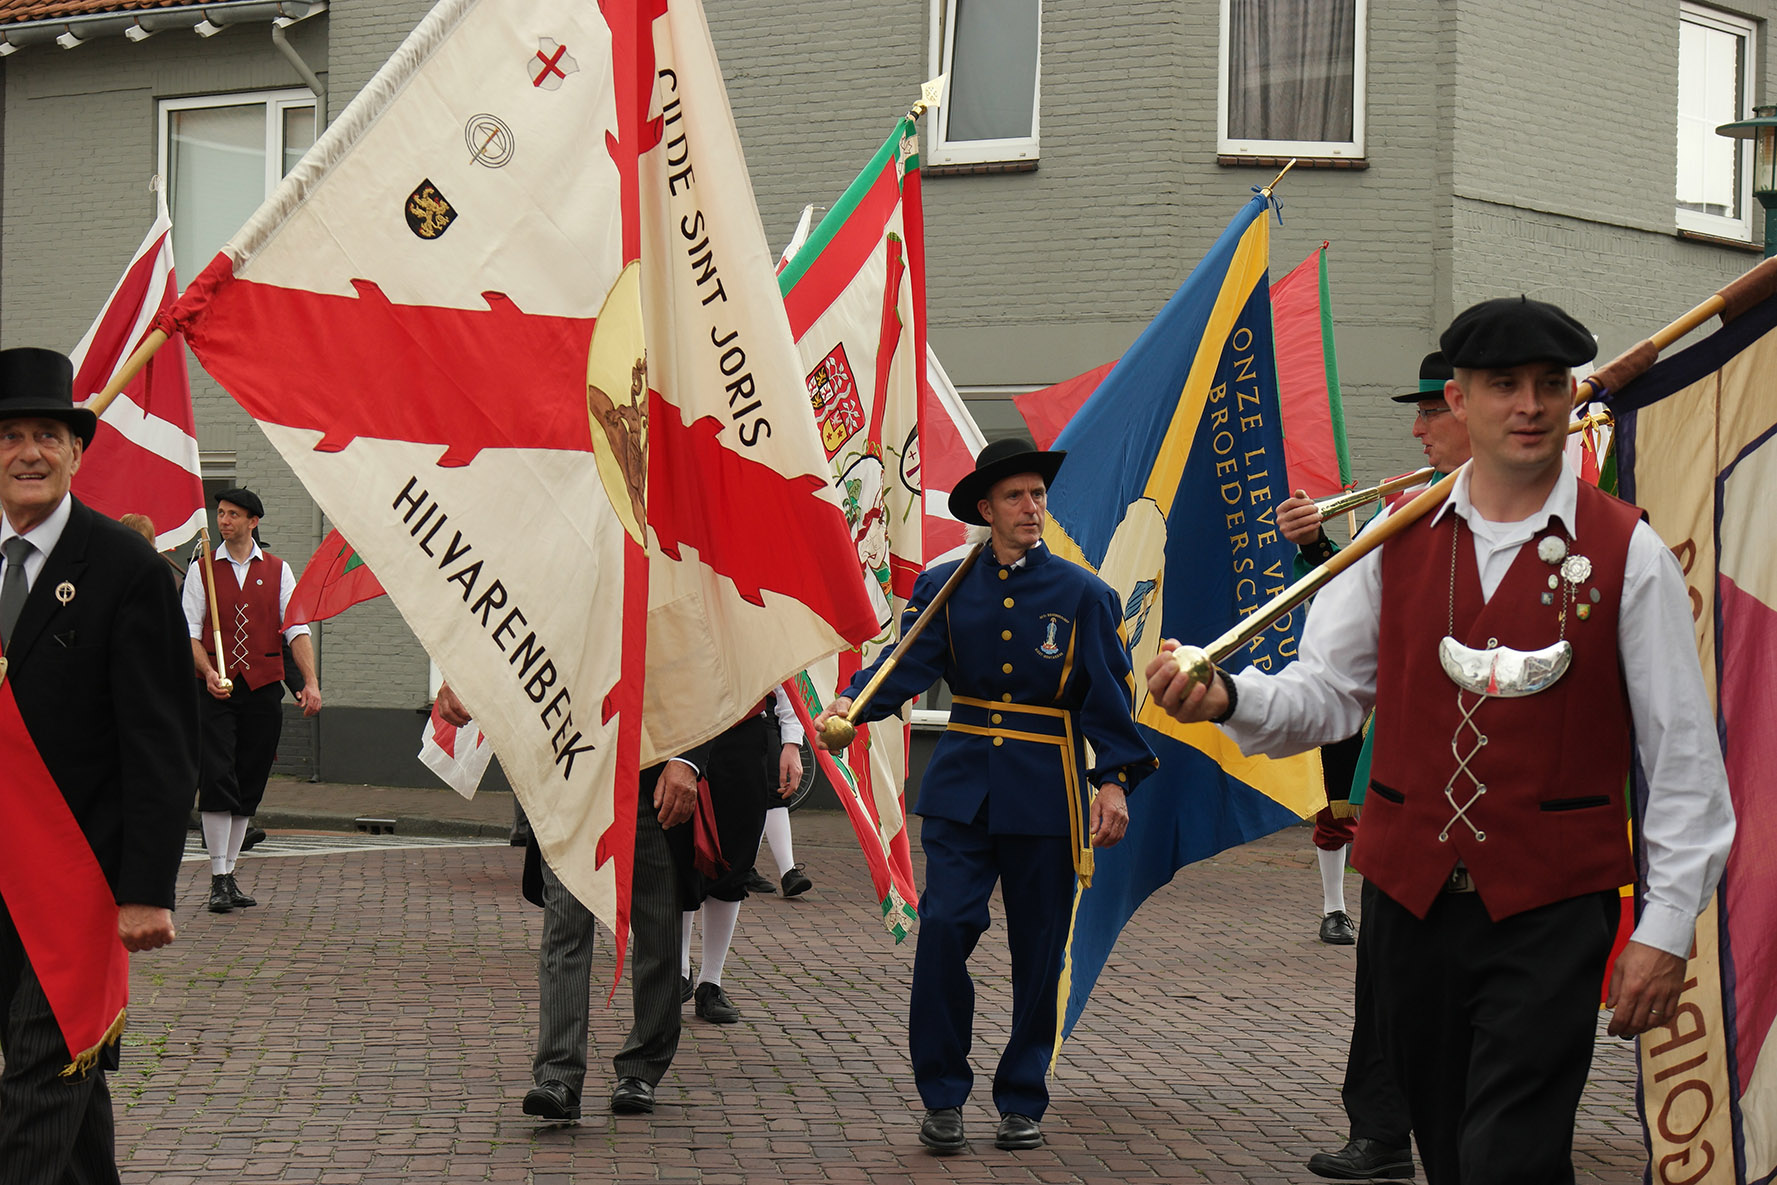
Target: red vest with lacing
x,y
252,626
1554,763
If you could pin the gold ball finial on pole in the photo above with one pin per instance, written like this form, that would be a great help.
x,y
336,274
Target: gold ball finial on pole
x,y
1194,662
837,734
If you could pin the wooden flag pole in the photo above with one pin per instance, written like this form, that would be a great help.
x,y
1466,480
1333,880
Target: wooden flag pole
x,y
131,367
209,569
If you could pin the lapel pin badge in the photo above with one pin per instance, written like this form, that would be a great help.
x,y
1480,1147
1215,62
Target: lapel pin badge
x,y
65,592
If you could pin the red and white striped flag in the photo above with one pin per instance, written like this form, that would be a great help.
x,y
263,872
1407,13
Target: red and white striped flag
x,y
458,755
147,441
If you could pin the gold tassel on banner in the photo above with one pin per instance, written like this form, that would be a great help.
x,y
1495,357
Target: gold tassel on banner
x,y
87,1059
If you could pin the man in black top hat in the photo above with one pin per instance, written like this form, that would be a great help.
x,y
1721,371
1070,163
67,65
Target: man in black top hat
x,y
243,713
89,629
1032,648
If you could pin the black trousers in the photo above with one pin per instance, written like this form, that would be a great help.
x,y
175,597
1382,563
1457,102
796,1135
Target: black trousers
x,y
1489,1028
1373,1102
654,960
53,1130
240,741
742,771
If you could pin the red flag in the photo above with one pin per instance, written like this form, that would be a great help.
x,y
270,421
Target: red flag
x,y
335,578
1046,412
948,442
147,440
1308,380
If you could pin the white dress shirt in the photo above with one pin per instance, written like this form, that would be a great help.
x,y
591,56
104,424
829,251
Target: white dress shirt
x,y
43,537
789,728
1689,821
195,600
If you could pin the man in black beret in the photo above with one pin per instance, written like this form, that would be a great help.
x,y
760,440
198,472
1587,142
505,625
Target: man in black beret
x,y
243,714
1521,645
95,705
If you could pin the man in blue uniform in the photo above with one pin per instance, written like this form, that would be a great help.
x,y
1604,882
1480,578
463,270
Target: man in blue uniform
x,y
1033,651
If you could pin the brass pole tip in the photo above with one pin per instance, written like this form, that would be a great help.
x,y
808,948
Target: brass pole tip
x,y
1193,662
227,685
837,734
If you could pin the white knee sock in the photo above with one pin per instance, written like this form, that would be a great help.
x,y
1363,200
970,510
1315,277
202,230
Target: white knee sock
x,y
719,918
685,920
215,825
1332,879
777,834
237,834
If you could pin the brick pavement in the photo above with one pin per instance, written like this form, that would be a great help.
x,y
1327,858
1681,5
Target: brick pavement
x,y
373,1020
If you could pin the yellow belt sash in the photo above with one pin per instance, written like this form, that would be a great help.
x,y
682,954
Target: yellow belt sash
x,y
1041,725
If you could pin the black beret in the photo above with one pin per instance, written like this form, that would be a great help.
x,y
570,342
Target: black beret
x,y
246,499
1496,334
1434,372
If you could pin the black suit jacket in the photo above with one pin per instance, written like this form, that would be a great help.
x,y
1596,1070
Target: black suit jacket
x,y
104,685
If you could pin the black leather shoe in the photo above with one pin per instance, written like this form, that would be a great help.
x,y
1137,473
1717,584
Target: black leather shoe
x,y
254,837
758,884
796,882
1364,1160
1017,1131
551,1100
1337,929
684,989
942,1130
240,899
632,1096
714,1005
221,900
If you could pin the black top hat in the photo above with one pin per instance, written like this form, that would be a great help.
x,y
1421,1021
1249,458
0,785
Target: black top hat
x,y
37,382
1001,459
1506,332
1434,372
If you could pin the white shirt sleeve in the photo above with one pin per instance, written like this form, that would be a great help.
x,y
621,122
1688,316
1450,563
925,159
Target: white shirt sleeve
x,y
1325,694
788,726
1688,824
286,587
192,598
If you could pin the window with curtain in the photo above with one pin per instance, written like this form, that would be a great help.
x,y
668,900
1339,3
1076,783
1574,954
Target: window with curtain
x,y
990,49
1292,77
221,156
1714,63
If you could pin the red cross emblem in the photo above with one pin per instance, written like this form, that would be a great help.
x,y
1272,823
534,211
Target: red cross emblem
x,y
550,66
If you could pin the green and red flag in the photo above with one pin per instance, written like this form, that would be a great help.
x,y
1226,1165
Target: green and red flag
x,y
855,294
1314,450
335,578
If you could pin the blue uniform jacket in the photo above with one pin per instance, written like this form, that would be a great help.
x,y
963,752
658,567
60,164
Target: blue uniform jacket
x,y
1036,660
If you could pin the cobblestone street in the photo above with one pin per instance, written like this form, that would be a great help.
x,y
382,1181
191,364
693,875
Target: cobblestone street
x,y
373,1020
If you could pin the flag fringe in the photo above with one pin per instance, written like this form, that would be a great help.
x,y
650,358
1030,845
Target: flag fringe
x,y
88,1058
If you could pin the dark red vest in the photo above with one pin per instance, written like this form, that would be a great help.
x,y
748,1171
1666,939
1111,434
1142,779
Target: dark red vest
x,y
263,624
1555,762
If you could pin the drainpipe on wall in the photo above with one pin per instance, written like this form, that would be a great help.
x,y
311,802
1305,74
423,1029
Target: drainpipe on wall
x,y
309,77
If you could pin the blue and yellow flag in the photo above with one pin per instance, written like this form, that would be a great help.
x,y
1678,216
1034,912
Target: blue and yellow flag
x,y
1174,473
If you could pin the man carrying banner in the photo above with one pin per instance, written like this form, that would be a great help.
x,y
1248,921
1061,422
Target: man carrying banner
x,y
244,715
95,705
1381,1132
1495,830
1032,648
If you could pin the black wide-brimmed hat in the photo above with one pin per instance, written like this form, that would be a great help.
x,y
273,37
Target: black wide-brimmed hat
x,y
1507,332
38,382
999,460
1434,372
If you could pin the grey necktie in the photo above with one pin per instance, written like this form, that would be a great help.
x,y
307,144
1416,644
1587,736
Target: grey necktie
x,y
13,588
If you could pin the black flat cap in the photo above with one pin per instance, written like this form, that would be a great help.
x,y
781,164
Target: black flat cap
x,y
1512,331
1001,459
36,382
1434,372
246,499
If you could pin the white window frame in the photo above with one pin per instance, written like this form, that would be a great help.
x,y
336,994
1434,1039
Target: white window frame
x,y
939,149
1328,149
1721,225
276,103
